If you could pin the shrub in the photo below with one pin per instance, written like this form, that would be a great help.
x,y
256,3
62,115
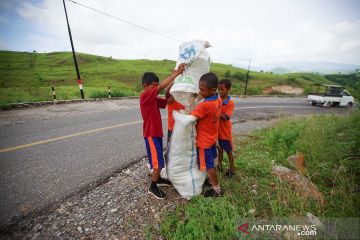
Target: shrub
x,y
114,93
254,91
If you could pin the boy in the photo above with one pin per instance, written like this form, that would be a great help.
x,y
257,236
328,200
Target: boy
x,y
208,113
172,105
152,125
225,126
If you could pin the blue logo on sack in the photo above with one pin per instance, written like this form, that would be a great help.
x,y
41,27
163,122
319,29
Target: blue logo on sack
x,y
188,52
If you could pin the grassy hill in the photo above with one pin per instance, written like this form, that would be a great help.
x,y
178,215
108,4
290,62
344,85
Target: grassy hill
x,y
27,76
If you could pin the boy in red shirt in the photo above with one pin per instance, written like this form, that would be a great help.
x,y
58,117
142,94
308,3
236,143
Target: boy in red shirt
x,y
152,125
207,113
225,126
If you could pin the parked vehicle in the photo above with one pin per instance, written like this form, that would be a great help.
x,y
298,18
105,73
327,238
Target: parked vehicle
x,y
332,96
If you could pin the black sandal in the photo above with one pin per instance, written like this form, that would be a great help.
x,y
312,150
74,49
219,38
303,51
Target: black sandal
x,y
230,173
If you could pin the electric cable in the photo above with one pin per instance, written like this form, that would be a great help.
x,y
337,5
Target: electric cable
x,y
126,21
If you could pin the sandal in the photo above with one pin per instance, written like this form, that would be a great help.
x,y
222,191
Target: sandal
x,y
230,173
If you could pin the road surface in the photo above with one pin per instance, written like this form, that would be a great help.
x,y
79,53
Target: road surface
x,y
49,153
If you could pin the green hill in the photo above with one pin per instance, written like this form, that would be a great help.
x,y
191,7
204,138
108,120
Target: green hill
x,y
28,76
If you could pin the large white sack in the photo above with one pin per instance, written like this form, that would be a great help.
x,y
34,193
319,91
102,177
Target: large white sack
x,y
196,57
182,167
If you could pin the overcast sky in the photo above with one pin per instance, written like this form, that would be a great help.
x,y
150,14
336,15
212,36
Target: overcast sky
x,y
266,31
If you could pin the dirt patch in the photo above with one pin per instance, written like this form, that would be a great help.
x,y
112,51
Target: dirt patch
x,y
284,89
299,183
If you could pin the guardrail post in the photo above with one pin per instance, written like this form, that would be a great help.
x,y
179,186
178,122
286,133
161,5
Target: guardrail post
x,y
53,93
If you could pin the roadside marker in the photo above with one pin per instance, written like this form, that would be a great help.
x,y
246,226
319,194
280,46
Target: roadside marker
x,y
53,93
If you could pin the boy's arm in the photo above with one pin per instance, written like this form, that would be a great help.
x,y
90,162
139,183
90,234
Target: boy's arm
x,y
224,117
228,113
167,81
170,100
169,97
161,102
184,118
199,111
167,92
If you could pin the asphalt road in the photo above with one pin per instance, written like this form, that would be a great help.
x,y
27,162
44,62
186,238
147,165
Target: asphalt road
x,y
49,153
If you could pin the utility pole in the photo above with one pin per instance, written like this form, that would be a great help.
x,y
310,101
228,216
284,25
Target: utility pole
x,y
79,81
247,78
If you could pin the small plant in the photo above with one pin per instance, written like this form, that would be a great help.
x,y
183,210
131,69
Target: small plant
x,y
98,94
254,90
114,93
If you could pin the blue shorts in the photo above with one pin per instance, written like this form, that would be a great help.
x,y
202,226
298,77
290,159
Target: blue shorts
x,y
206,157
154,148
226,145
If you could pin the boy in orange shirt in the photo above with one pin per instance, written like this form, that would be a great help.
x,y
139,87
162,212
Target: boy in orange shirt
x,y
207,113
225,126
172,105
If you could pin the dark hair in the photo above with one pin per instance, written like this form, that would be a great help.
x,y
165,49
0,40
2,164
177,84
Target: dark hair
x,y
210,79
149,77
226,83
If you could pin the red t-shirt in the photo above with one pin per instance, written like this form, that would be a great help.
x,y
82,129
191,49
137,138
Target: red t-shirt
x,y
225,126
208,114
171,107
149,107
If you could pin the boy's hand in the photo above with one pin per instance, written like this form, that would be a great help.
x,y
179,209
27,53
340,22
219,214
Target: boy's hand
x,y
170,79
224,117
180,69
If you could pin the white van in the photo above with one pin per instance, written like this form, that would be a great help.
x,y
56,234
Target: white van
x,y
333,96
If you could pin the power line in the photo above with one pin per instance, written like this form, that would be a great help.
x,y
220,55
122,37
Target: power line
x,y
127,22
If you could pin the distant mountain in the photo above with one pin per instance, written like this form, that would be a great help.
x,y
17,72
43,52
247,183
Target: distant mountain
x,y
308,66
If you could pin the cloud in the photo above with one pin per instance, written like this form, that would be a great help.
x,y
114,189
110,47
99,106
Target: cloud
x,y
263,33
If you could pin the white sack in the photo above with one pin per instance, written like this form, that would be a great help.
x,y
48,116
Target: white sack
x,y
182,167
196,57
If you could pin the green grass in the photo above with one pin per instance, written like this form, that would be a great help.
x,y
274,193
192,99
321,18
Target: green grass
x,y
27,76
331,147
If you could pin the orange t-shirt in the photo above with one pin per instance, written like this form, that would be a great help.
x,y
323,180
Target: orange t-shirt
x,y
171,107
225,126
208,114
